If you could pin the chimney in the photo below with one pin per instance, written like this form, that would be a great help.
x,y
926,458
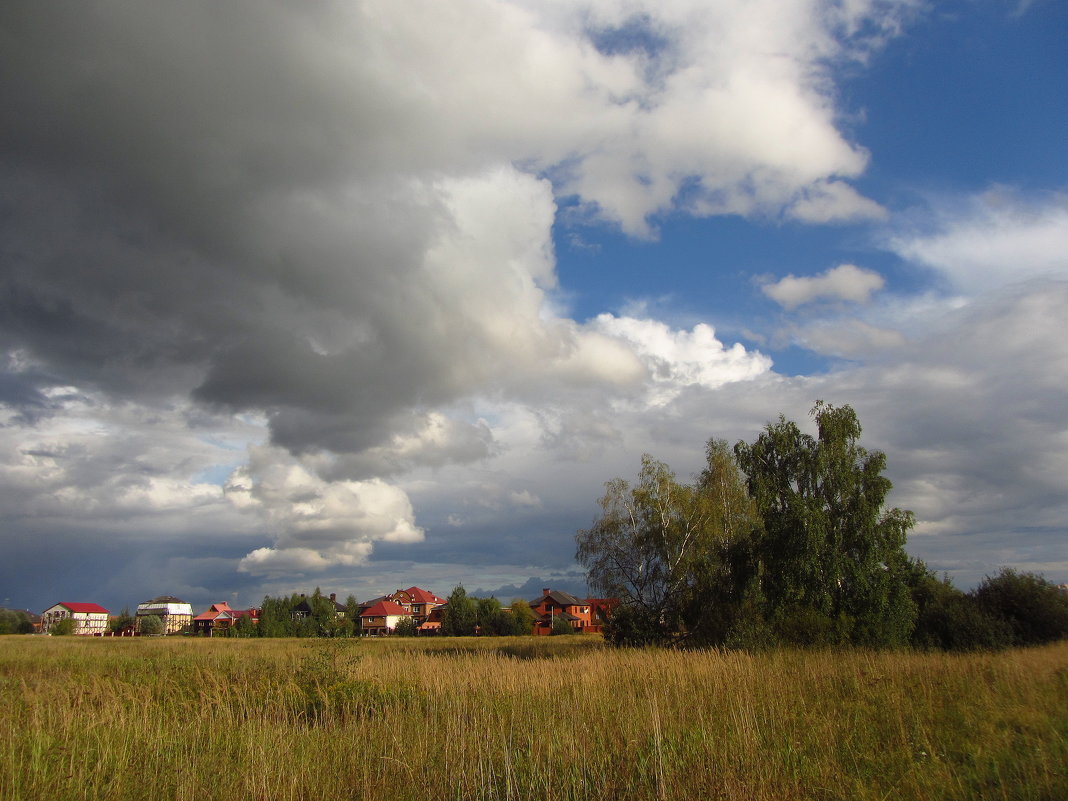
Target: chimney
x,y
302,595
545,591
333,597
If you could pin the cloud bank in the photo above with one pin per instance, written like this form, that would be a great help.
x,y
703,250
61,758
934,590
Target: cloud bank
x,y
279,281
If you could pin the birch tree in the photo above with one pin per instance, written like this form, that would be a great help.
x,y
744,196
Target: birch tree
x,y
663,547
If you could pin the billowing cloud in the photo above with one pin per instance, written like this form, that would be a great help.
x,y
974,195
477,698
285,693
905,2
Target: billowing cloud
x,y
317,523
678,359
844,282
341,217
310,248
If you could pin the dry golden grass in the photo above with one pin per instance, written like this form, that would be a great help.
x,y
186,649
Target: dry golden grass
x,y
522,718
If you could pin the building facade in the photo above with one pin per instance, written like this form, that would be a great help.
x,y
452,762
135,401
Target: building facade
x,y
555,604
175,613
381,618
88,618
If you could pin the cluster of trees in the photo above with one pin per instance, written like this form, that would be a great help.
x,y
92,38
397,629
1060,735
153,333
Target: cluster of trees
x,y
15,621
279,618
465,615
787,540
1010,609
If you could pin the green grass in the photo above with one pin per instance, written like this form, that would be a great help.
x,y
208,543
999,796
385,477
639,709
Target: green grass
x,y
522,718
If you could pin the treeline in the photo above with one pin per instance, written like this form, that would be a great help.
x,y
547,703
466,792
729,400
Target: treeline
x,y
787,541
299,615
463,615
15,621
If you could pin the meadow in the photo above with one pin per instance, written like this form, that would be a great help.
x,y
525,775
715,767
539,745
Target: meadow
x,y
522,718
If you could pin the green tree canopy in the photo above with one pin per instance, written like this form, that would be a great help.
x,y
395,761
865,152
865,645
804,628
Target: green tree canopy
x,y
561,625
786,538
1034,609
523,616
460,615
829,555
666,549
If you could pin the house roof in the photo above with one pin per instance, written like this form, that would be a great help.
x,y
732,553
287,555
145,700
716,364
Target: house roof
x,y
423,596
560,598
217,613
164,599
83,607
374,601
383,608
214,611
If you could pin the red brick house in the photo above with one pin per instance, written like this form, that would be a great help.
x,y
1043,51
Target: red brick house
x,y
418,602
381,615
557,603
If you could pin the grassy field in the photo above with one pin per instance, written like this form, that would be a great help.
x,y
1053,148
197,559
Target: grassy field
x,y
522,718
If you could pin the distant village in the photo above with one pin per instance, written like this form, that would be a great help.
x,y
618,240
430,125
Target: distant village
x,y
413,611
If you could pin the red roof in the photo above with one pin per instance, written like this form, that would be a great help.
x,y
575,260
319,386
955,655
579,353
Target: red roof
x,y
383,608
80,607
214,611
424,596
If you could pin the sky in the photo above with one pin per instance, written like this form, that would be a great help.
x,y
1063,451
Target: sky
x,y
361,295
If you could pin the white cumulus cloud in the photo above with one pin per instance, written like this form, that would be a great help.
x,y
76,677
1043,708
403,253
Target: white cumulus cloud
x,y
844,282
317,523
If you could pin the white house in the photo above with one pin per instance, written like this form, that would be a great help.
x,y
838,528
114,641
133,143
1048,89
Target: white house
x,y
175,613
88,618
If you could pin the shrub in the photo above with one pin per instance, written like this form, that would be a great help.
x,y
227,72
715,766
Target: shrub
x,y
150,624
62,627
634,626
952,620
406,627
561,625
1035,609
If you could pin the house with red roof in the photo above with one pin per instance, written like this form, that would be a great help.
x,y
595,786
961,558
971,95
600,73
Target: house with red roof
x,y
221,617
88,618
382,618
381,615
419,603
